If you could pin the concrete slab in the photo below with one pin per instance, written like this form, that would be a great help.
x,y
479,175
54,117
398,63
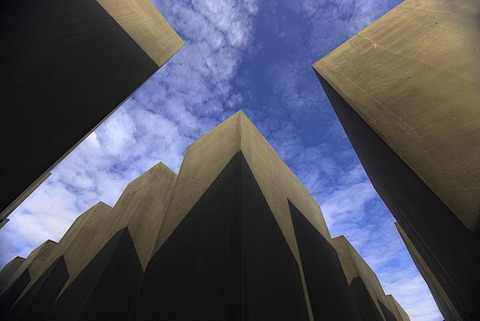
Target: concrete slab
x,y
29,269
218,264
70,250
413,75
367,290
405,91
8,271
36,302
35,261
444,302
136,217
329,292
105,289
207,157
140,208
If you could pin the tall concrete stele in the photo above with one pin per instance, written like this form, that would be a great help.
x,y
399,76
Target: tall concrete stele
x,y
235,236
65,65
367,291
407,92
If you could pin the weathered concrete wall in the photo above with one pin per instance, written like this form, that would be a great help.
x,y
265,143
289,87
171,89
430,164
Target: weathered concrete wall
x,y
413,75
373,304
88,57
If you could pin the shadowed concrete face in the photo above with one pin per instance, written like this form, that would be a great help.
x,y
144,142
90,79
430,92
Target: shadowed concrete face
x,y
36,302
330,297
42,290
205,159
406,92
35,261
228,260
242,251
413,76
106,288
444,303
442,240
8,272
366,288
89,57
29,269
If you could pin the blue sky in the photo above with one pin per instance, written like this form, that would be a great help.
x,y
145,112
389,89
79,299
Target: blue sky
x,y
248,55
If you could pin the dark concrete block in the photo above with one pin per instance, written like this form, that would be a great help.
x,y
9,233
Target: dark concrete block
x,y
227,260
447,246
271,282
328,290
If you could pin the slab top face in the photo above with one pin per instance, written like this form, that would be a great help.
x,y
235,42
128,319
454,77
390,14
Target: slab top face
x,y
146,25
414,77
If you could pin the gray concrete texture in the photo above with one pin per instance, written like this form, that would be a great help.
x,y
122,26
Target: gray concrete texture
x,y
444,303
34,262
414,76
8,271
354,266
205,159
